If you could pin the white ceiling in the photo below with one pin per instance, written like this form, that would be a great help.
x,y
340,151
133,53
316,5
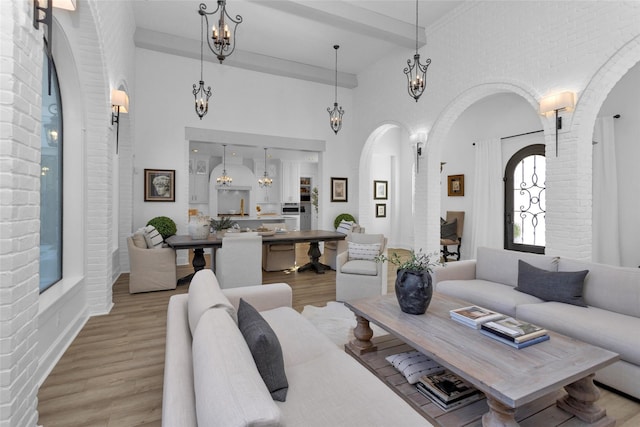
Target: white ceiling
x,y
295,37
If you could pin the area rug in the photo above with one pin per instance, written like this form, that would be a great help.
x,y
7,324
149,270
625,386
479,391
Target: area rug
x,y
335,321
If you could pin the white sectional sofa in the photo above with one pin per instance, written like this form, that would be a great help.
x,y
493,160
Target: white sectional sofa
x,y
610,319
211,379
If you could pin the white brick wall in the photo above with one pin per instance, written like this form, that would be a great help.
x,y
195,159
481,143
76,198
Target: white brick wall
x,y
20,86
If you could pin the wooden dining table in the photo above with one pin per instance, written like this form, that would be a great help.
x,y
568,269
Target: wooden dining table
x,y
313,237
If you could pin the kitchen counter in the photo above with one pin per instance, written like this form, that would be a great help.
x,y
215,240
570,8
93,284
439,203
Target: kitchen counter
x,y
253,221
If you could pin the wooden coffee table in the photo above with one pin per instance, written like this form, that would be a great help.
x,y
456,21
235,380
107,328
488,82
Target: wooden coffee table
x,y
510,378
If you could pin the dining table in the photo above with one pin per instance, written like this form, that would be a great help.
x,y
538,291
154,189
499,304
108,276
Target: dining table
x,y
313,237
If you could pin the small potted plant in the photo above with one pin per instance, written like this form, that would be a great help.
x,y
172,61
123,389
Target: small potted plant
x,y
413,279
165,226
221,225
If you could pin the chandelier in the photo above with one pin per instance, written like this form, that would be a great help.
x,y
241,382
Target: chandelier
x,y
224,180
416,73
222,43
201,94
265,181
335,114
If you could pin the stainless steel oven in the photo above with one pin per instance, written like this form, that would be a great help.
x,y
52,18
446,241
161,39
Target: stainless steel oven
x,y
290,209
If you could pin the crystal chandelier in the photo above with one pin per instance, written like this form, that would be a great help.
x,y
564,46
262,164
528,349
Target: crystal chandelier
x,y
335,114
265,181
224,180
201,94
416,73
222,42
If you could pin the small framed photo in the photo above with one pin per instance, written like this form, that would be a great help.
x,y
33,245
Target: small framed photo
x,y
380,190
339,189
381,210
455,185
159,185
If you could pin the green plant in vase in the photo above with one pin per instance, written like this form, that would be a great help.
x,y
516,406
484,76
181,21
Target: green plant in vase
x,y
224,223
165,226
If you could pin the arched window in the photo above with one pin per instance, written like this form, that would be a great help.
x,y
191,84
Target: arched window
x,y
525,201
51,181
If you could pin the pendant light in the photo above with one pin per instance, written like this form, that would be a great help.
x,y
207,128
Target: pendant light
x,y
201,94
335,114
265,181
223,40
224,180
416,73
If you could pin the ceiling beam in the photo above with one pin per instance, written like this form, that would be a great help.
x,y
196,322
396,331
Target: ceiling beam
x,y
189,48
352,18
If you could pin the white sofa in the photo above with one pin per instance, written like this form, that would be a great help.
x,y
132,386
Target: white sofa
x,y
212,380
610,320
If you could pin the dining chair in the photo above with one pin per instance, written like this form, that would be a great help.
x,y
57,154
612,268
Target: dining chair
x,y
239,260
278,256
451,234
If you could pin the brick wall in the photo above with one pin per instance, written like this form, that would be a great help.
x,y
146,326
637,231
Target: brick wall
x,y
20,87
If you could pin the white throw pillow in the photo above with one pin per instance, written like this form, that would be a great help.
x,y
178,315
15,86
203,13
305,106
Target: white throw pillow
x,y
366,251
138,239
413,365
344,227
153,238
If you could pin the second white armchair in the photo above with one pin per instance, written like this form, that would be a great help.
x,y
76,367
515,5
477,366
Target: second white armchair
x,y
358,275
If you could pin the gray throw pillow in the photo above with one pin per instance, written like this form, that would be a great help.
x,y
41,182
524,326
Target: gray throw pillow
x,y
448,230
265,349
560,286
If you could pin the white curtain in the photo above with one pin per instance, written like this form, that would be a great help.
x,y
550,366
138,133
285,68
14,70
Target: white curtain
x,y
606,231
488,197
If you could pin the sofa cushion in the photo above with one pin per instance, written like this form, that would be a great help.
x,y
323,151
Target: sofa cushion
x,y
138,239
501,266
345,227
612,331
366,251
494,296
607,286
205,293
560,286
265,349
153,237
448,230
360,266
228,388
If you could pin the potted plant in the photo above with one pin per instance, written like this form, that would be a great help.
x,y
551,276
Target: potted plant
x,y
413,279
222,224
165,226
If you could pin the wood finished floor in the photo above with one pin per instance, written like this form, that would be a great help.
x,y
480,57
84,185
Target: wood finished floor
x,y
112,373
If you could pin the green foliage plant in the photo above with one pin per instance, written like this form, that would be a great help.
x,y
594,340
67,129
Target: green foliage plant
x,y
223,223
417,262
343,216
314,198
165,226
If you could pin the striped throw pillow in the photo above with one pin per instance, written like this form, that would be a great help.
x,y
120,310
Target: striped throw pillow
x,y
413,365
344,227
366,251
153,237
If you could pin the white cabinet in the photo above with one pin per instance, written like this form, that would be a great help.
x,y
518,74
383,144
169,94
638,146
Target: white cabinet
x,y
198,179
290,181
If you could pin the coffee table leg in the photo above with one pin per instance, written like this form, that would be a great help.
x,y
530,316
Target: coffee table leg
x,y
499,415
363,333
580,402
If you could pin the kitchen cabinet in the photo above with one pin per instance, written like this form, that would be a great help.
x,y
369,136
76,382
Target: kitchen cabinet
x,y
290,181
198,179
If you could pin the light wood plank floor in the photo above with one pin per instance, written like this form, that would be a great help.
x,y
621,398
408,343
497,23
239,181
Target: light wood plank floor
x,y
112,373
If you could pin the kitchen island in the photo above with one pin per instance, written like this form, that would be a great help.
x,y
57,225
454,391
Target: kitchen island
x,y
254,221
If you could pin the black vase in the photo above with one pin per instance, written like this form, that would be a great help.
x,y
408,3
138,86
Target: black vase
x,y
414,291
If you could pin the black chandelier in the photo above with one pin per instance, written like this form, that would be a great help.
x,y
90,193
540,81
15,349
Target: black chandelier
x,y
335,114
201,94
223,41
416,73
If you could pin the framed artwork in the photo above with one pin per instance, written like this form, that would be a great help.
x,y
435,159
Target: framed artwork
x,y
380,190
381,210
455,185
159,185
339,189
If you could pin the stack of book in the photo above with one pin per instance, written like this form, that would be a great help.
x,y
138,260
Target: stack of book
x,y
474,316
447,390
514,332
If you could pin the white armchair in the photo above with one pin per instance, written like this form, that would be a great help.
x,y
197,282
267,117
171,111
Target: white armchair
x,y
334,247
357,273
239,261
151,269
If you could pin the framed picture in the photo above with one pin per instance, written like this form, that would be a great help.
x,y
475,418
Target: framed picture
x,y
339,189
380,190
381,210
159,185
456,185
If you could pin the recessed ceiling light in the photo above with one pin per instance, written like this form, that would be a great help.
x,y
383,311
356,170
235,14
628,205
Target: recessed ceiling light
x,y
195,150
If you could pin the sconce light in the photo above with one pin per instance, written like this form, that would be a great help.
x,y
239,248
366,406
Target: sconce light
x,y
554,103
420,139
119,104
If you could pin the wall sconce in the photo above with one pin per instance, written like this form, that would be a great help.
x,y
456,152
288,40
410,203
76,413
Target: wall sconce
x,y
554,103
420,139
119,104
